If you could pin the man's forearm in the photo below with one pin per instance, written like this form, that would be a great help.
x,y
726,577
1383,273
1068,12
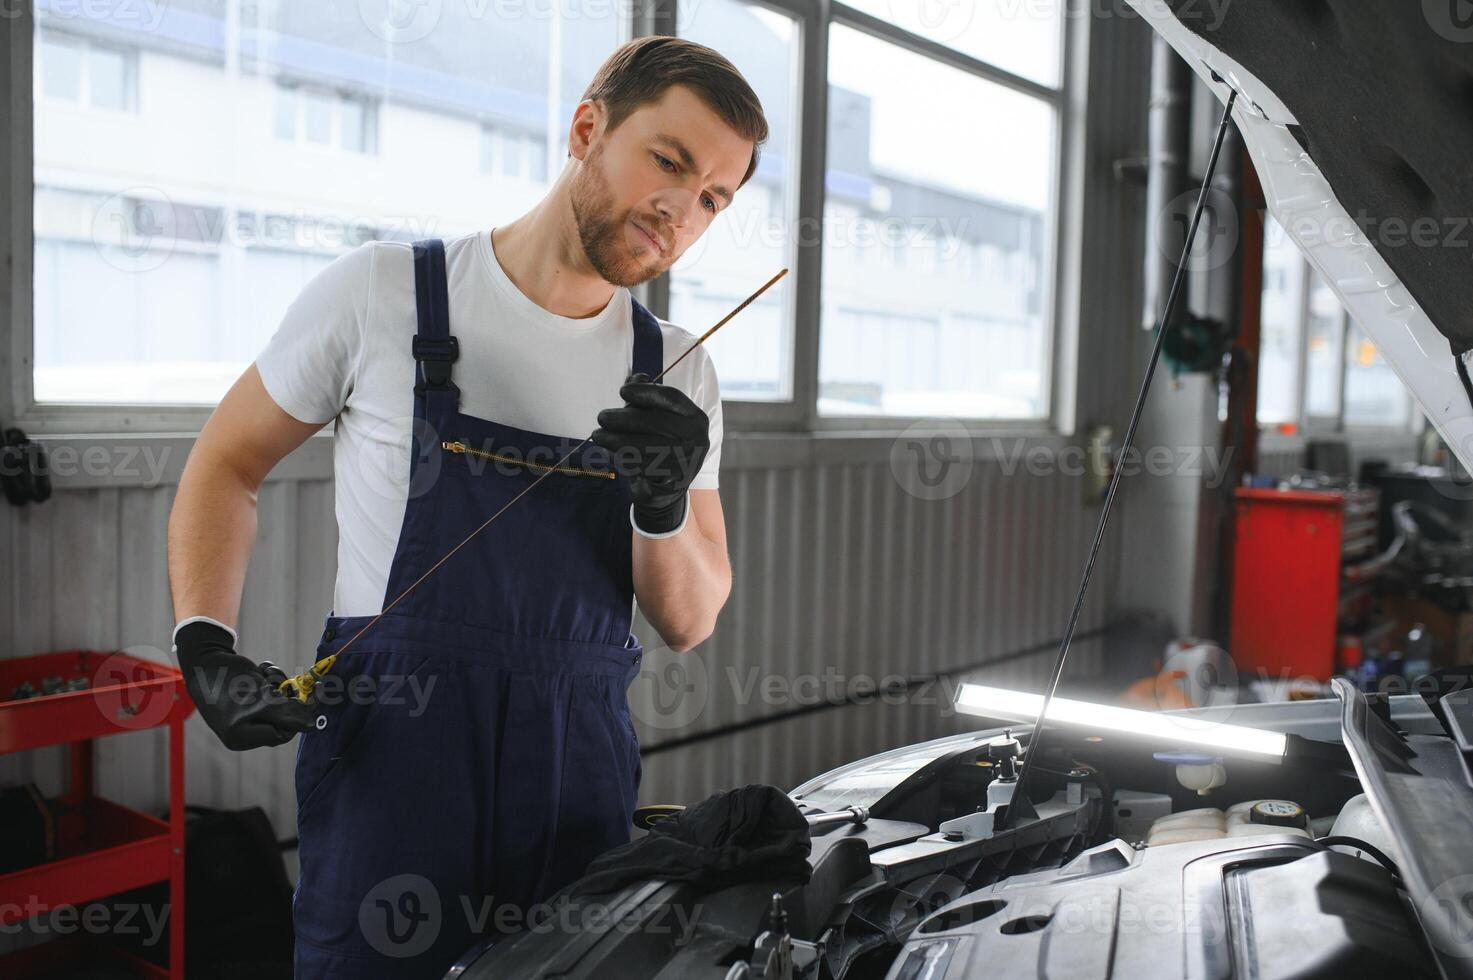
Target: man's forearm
x,y
212,528
681,583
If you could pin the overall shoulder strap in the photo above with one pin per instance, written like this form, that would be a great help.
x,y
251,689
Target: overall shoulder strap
x,y
649,341
435,350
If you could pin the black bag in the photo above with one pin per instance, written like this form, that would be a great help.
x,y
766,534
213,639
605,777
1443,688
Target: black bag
x,y
235,885
237,900
30,828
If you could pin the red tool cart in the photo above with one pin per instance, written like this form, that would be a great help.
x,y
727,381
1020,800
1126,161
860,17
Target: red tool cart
x,y
101,848
1296,555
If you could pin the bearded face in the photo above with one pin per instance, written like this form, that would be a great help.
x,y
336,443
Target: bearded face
x,y
646,190
616,239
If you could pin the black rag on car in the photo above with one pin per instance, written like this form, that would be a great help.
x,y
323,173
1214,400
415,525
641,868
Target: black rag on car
x,y
753,831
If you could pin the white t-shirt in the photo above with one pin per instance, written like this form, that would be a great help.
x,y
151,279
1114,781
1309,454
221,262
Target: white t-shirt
x,y
342,352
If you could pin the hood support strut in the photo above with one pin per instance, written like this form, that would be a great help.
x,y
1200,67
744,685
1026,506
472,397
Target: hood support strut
x,y
1035,740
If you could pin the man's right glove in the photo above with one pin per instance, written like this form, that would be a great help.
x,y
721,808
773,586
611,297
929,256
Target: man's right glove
x,y
235,696
658,439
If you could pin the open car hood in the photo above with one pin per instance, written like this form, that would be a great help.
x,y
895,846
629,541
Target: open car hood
x,y
1357,119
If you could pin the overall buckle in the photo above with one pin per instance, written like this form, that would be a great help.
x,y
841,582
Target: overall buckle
x,y
435,357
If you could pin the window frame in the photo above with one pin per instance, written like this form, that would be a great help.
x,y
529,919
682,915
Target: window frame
x,y
810,113
1332,425
1066,133
799,414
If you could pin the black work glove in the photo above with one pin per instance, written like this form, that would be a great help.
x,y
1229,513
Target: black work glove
x,y
236,697
658,440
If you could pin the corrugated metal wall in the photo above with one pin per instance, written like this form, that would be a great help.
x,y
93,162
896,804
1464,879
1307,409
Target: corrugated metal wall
x,y
88,571
842,580
835,564
858,583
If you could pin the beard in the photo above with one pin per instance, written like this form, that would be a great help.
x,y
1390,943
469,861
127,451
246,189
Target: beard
x,y
607,239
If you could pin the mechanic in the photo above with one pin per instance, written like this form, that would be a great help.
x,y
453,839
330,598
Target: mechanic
x,y
483,750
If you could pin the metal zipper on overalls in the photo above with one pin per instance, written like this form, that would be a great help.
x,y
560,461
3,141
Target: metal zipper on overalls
x,y
462,448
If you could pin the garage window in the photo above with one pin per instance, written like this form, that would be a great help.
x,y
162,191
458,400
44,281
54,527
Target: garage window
x,y
931,290
1318,370
938,225
242,158
751,239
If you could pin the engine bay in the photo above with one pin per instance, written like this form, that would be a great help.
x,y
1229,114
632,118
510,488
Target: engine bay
x,y
1123,859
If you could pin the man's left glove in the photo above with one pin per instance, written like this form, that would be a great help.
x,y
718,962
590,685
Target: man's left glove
x,y
236,697
658,440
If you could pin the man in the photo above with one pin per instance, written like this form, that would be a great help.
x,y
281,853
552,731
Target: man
x,y
470,751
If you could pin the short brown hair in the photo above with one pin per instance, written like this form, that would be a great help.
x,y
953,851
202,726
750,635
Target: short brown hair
x,y
639,72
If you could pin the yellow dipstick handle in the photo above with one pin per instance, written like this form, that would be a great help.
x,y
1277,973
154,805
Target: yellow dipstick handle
x,y
300,686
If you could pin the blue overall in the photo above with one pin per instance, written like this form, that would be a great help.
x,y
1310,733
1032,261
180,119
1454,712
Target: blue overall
x,y
486,755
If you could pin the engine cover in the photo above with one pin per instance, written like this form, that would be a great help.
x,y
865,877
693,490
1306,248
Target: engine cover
x,y
1260,907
